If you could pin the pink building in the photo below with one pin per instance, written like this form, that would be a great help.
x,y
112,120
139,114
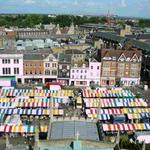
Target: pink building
x,y
83,76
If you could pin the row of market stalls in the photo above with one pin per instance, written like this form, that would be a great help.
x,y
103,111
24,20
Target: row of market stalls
x,y
35,93
107,93
25,110
22,129
117,109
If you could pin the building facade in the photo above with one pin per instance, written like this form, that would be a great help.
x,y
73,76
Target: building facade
x,y
33,68
86,74
50,68
64,67
11,65
120,67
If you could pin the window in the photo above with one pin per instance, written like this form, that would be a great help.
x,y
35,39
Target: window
x,y
6,71
97,67
60,66
77,71
81,76
72,71
91,67
105,73
54,72
47,72
81,82
113,73
81,71
85,71
9,72
127,66
84,77
6,61
68,67
106,64
47,65
120,73
16,61
53,65
30,72
72,76
134,73
16,70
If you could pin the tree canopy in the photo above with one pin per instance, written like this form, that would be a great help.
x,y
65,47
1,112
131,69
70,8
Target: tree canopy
x,y
31,20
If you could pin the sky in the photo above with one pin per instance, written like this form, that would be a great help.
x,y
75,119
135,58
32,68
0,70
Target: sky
x,y
133,8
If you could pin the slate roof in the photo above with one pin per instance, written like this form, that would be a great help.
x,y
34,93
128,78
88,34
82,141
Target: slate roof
x,y
69,129
34,56
73,51
116,38
64,58
118,53
139,36
110,36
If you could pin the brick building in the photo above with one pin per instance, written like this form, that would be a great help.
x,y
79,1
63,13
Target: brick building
x,y
33,68
120,67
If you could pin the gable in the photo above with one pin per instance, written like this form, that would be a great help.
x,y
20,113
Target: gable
x,y
50,57
134,58
122,57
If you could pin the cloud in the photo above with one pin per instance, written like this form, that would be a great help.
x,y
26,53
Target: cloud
x,y
123,3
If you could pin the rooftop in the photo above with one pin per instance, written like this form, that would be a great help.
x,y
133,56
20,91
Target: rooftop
x,y
118,53
69,129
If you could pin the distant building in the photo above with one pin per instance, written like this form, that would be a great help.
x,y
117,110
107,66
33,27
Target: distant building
x,y
125,31
120,67
86,74
64,67
11,65
50,68
25,33
33,68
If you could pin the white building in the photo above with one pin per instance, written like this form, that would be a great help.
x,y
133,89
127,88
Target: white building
x,y
50,68
11,65
83,76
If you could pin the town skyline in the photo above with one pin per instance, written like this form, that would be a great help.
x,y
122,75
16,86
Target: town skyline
x,y
75,7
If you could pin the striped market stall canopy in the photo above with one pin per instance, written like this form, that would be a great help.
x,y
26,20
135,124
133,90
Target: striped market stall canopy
x,y
115,102
107,93
119,111
125,127
132,113
37,92
21,129
36,112
36,99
